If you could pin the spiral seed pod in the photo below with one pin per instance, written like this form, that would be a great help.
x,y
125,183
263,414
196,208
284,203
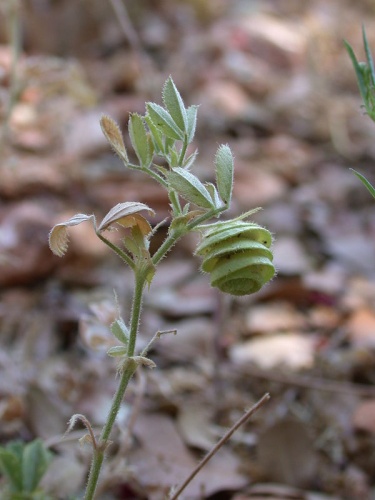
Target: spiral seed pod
x,y
237,256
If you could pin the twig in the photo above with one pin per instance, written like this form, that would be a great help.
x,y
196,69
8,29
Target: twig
x,y
314,383
219,444
128,30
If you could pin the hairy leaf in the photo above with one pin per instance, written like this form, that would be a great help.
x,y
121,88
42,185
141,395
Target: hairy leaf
x,y
174,104
163,120
189,187
139,139
113,135
224,172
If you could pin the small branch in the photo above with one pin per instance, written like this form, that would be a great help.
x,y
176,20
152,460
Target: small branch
x,y
172,238
208,215
157,335
127,374
183,152
313,383
126,25
220,443
132,37
124,256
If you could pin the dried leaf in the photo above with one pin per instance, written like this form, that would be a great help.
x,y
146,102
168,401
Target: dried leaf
x,y
113,134
126,214
58,237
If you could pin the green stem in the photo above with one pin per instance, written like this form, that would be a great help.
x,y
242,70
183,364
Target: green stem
x,y
157,177
124,256
166,246
140,280
130,366
127,373
202,218
175,202
176,235
183,152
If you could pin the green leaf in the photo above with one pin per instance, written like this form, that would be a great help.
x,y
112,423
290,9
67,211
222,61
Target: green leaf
x,y
35,461
118,350
11,467
189,187
224,172
16,447
174,104
363,179
150,275
156,135
189,161
191,113
168,145
173,157
120,331
368,56
214,195
164,122
358,71
139,139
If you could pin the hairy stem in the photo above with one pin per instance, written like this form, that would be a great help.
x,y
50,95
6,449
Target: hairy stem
x,y
166,246
124,256
128,370
175,202
183,152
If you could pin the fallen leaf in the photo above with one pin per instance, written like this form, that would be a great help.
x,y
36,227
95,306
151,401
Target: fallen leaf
x,y
286,453
361,327
274,317
292,350
290,257
364,416
163,461
195,427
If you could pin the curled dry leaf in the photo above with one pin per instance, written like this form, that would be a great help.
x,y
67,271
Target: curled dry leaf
x,y
142,360
113,135
126,214
58,237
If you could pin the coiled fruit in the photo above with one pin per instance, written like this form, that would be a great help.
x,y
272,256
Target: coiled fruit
x,y
237,256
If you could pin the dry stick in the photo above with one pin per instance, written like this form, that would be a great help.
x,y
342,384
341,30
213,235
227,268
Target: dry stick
x,y
310,382
146,81
126,25
128,30
220,443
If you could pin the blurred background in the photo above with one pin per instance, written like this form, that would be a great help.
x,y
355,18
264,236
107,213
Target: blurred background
x,y
274,81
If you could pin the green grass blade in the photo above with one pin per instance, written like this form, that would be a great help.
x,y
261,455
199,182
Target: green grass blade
x,y
370,60
358,71
363,179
